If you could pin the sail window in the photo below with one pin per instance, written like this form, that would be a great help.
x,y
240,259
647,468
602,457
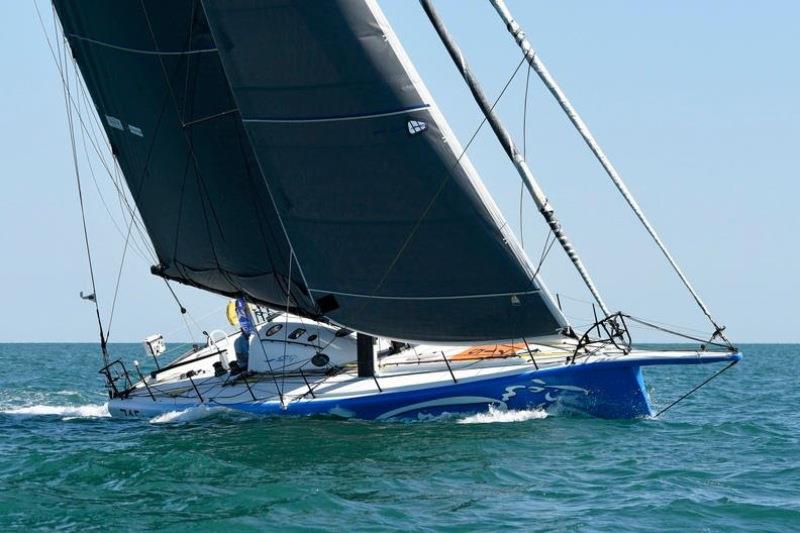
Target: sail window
x,y
416,126
296,334
274,329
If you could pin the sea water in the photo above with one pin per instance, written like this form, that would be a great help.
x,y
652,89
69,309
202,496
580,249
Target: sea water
x,y
727,458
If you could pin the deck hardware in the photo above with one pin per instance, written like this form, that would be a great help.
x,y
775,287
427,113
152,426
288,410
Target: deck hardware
x,y
449,367
195,388
141,377
310,390
611,329
530,353
111,380
247,383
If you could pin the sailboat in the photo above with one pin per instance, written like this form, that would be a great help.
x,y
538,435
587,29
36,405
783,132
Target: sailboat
x,y
287,155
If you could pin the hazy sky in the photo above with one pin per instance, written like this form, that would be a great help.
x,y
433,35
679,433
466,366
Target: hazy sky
x,y
695,102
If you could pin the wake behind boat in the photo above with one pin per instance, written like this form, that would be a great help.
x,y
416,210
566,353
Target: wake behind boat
x,y
288,155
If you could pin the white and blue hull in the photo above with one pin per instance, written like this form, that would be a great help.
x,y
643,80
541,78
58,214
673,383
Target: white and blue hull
x,y
605,384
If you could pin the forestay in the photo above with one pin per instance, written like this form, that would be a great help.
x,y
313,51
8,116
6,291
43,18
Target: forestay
x,y
303,127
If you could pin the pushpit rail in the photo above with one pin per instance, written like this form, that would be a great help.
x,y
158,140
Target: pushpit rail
x,y
114,372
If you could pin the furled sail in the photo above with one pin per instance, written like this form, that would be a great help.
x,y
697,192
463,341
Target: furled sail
x,y
252,131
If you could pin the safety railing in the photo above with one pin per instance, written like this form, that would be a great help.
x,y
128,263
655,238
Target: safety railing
x,y
611,330
116,374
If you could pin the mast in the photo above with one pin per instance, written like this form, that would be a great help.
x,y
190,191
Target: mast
x,y
533,60
536,192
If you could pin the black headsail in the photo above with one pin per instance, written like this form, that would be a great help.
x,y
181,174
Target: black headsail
x,y
249,128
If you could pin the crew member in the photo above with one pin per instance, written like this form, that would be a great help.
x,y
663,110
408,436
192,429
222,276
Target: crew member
x,y
242,348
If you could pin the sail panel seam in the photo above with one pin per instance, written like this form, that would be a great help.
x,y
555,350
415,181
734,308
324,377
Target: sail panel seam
x,y
455,297
335,118
138,50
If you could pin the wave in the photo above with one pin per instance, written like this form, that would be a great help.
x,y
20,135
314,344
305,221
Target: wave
x,y
65,411
191,414
186,415
495,415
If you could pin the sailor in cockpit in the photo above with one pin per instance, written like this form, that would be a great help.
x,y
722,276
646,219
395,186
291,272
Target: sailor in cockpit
x,y
242,348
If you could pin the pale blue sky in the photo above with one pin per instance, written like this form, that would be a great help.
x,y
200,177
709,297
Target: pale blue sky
x,y
695,102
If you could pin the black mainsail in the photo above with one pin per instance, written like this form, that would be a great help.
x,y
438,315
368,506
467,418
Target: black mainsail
x,y
170,118
288,149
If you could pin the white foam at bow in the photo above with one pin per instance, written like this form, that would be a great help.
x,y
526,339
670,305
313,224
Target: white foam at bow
x,y
497,415
66,411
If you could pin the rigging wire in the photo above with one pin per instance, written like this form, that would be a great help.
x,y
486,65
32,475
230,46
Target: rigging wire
x,y
503,136
181,203
534,61
196,322
135,244
186,317
264,351
135,221
205,197
127,207
119,278
549,241
89,132
126,235
71,126
524,154
695,389
56,54
286,321
651,322
550,238
677,333
441,187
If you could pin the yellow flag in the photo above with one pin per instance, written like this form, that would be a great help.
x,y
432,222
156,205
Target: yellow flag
x,y
230,311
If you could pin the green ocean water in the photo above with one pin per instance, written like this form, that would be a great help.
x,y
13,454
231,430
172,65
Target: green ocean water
x,y
726,459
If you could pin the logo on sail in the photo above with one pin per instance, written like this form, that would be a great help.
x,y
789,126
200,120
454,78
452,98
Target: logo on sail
x,y
417,126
